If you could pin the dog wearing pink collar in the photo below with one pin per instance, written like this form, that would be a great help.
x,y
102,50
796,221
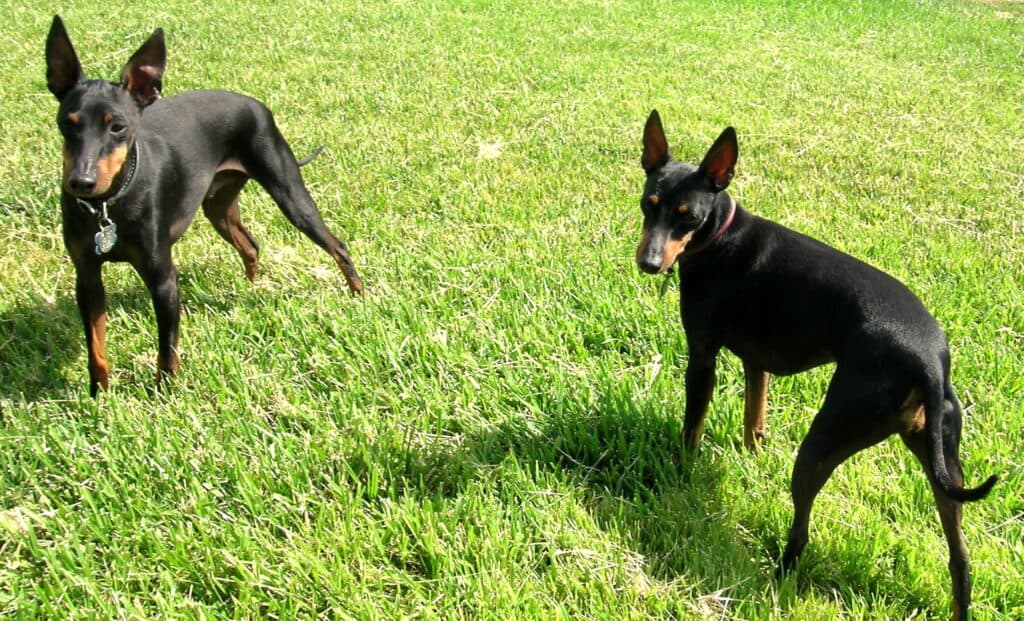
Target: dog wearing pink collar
x,y
784,303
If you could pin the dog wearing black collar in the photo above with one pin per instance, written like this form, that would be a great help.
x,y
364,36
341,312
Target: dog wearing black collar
x,y
137,167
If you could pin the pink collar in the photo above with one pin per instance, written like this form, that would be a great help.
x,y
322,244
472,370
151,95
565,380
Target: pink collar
x,y
718,234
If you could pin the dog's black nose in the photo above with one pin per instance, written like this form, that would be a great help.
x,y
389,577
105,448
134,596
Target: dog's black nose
x,y
83,183
649,264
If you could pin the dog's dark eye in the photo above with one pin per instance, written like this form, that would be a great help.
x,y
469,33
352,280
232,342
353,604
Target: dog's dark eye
x,y
67,125
688,216
117,128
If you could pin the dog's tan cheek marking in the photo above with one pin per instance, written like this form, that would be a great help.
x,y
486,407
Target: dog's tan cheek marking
x,y
108,167
673,248
642,248
912,412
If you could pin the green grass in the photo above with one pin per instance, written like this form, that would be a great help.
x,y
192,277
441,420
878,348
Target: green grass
x,y
493,432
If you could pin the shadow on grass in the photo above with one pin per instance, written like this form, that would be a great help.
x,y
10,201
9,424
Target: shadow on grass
x,y
37,341
673,509
666,505
658,502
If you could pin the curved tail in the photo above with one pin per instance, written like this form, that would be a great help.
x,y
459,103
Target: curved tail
x,y
969,494
942,424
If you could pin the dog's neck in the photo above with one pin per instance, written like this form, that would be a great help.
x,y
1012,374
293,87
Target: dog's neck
x,y
729,217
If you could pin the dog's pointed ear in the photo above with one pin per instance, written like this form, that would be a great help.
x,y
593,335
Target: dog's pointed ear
x,y
143,75
655,145
63,71
720,161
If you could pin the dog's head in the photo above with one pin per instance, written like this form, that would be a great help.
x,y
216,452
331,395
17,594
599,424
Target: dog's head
x,y
679,198
97,118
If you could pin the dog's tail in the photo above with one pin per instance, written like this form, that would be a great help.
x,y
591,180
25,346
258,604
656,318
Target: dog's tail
x,y
943,419
312,156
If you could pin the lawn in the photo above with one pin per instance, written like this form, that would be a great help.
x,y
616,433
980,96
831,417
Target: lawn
x,y
492,431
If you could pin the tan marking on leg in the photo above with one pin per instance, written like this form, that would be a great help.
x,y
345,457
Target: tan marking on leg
x,y
755,403
242,240
227,221
229,225
912,412
355,284
169,367
98,367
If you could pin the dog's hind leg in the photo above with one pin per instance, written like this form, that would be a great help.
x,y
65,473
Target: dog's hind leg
x,y
755,397
221,208
853,417
950,510
276,169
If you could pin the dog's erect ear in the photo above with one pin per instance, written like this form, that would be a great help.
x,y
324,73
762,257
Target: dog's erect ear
x,y
143,75
655,146
720,160
63,71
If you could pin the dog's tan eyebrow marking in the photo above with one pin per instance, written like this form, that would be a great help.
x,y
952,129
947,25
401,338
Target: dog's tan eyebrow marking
x,y
74,118
653,199
683,208
108,118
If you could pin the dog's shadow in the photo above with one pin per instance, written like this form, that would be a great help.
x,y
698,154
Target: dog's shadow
x,y
42,344
666,508
38,339
670,508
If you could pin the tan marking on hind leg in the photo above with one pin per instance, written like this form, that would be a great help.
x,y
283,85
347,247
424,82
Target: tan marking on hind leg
x,y
912,412
755,403
221,208
243,241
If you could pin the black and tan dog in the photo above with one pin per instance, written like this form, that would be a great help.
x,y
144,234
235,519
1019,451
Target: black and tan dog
x,y
784,303
136,170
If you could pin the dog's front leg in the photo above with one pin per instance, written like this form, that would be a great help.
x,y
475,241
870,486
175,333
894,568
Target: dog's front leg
x,y
91,298
700,383
161,278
